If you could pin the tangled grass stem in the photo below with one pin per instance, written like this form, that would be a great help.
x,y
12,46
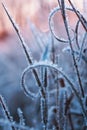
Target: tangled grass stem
x,y
6,111
53,66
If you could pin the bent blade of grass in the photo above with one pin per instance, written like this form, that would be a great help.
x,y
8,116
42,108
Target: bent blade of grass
x,y
53,66
51,15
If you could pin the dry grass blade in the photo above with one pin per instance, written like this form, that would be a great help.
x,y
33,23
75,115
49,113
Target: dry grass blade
x,y
63,12
53,66
83,42
76,32
24,45
6,112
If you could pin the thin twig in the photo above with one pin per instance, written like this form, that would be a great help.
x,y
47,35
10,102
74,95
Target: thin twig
x,y
53,66
24,45
70,43
6,111
80,16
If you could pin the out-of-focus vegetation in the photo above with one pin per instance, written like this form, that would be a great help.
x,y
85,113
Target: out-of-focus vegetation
x,y
29,9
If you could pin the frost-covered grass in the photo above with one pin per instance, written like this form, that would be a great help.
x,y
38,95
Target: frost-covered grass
x,y
55,86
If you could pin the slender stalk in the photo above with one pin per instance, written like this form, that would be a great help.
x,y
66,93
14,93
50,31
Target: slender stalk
x,y
44,98
53,66
6,112
76,32
83,41
53,12
24,45
70,43
80,17
57,94
70,121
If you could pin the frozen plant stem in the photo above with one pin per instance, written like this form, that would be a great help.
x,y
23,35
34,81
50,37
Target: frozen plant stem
x,y
53,49
62,109
21,117
70,43
76,32
81,49
80,17
6,112
24,45
44,98
57,95
56,69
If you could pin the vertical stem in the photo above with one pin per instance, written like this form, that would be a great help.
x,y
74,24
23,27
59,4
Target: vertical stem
x,y
70,43
53,49
70,121
57,93
44,99
7,113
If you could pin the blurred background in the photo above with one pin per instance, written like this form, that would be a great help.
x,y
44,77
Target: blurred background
x,y
22,10
27,12
32,19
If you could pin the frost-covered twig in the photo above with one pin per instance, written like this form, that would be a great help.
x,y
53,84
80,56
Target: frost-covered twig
x,y
52,49
26,90
52,13
63,12
44,98
80,16
53,66
6,111
76,32
21,117
83,42
62,105
24,45
57,94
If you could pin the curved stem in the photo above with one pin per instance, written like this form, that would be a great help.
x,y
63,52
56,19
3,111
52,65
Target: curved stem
x,y
52,66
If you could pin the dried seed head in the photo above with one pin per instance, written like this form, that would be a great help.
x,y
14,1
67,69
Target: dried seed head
x,y
62,83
